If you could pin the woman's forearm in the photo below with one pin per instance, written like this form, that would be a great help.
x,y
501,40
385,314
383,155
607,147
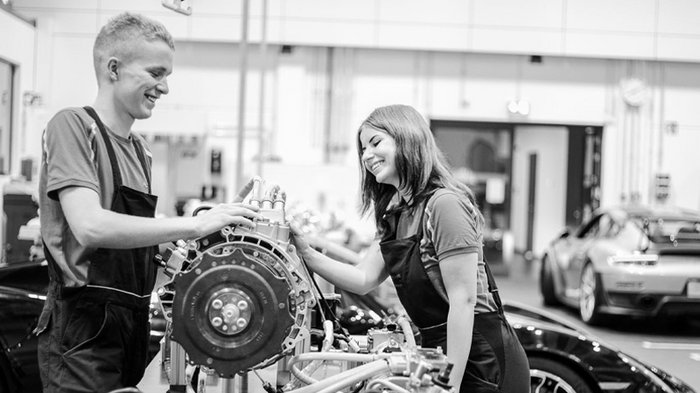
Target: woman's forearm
x,y
342,275
459,274
460,326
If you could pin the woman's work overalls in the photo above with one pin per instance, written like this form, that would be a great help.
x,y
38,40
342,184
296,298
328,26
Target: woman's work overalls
x,y
497,361
98,336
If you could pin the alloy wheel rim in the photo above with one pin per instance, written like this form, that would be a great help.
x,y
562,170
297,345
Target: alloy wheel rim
x,y
546,382
587,296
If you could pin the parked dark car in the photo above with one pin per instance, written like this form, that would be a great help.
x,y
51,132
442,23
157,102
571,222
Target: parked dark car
x,y
562,359
22,295
634,261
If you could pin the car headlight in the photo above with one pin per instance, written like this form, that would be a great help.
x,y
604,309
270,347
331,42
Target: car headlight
x,y
674,383
633,260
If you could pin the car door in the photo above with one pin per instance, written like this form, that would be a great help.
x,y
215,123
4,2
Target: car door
x,y
22,290
571,254
19,312
593,237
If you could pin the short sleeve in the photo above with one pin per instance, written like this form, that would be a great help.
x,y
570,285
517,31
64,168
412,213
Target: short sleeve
x,y
69,156
451,225
145,146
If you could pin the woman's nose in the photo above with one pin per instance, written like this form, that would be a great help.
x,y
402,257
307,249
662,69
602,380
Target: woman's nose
x,y
366,155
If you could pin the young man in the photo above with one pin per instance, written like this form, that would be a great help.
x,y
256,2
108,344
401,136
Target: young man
x,y
97,217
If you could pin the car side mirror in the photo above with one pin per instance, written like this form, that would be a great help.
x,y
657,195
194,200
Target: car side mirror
x,y
565,233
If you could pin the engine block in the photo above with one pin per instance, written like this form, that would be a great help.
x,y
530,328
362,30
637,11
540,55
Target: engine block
x,y
239,299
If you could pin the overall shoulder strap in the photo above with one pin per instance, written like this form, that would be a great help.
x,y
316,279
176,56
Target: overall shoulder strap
x,y
493,289
140,152
116,174
434,274
436,278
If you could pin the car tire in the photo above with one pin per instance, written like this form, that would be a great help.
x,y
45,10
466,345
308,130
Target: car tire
x,y
8,380
547,290
549,376
590,296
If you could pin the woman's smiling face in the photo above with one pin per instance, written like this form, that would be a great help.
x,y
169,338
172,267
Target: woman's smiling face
x,y
379,155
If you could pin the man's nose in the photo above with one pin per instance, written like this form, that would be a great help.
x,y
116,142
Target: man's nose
x,y
162,86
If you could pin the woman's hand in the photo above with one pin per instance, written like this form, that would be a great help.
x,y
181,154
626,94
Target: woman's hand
x,y
300,242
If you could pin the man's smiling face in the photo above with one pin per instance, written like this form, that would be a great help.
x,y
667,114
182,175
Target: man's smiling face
x,y
142,77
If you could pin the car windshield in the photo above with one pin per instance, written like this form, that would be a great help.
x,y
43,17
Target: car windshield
x,y
668,230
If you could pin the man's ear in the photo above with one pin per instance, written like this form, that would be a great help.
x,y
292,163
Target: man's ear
x,y
113,68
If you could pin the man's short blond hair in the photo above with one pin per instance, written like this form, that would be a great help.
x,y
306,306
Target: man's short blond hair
x,y
117,37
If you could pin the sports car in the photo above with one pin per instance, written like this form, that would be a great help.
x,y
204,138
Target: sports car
x,y
630,261
562,358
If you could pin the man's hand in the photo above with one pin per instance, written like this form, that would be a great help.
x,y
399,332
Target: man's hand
x,y
224,214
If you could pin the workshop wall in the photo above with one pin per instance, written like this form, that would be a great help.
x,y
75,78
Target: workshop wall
x,y
19,52
455,61
639,29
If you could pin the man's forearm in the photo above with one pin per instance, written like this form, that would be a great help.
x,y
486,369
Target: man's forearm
x,y
121,231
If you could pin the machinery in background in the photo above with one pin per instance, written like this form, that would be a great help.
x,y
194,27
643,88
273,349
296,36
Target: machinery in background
x,y
18,209
241,300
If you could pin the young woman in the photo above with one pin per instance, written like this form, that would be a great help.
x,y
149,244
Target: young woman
x,y
430,243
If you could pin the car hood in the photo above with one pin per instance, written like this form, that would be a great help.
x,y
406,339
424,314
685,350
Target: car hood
x,y
519,313
530,317
11,293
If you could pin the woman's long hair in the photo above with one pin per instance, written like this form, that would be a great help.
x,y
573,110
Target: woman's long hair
x,y
420,164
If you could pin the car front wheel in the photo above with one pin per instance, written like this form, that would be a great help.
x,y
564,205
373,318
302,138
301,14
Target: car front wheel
x,y
548,376
590,297
549,298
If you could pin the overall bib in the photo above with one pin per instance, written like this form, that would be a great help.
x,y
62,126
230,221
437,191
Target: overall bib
x,y
497,361
98,334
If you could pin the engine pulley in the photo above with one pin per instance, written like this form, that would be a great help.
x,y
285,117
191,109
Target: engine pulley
x,y
239,305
